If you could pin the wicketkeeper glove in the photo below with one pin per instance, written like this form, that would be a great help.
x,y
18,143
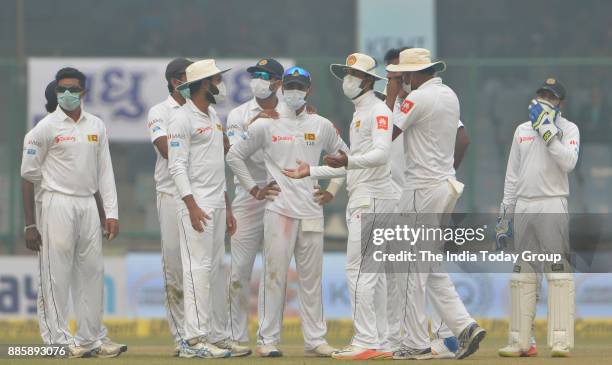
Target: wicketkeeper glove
x,y
543,117
503,228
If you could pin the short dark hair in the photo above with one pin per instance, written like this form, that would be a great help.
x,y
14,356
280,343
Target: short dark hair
x,y
393,53
70,73
51,96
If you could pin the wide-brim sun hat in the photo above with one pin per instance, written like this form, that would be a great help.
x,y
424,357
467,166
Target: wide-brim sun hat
x,y
200,70
356,61
416,59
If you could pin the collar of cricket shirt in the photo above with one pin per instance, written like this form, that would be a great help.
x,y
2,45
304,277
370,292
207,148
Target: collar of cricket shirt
x,y
172,102
198,112
433,81
284,111
63,117
364,100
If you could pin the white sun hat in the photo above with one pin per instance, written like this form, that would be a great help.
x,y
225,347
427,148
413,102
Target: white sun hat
x,y
356,61
416,59
200,70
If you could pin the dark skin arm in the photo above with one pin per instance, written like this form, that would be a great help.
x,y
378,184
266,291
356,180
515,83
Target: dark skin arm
x,y
32,236
396,132
100,206
161,143
462,141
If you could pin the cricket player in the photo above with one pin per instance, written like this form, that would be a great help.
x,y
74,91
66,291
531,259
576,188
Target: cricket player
x,y
66,154
370,188
444,343
544,151
196,164
428,118
157,123
266,77
293,222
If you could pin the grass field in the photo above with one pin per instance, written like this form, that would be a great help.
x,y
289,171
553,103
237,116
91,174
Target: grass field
x,y
157,351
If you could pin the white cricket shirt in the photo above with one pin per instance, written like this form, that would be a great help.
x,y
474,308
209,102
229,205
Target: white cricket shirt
x,y
157,123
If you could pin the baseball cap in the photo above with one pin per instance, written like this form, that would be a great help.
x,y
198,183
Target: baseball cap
x,y
176,67
269,65
554,86
297,74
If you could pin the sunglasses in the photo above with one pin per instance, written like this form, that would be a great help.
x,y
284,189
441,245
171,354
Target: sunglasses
x,y
261,75
297,71
72,89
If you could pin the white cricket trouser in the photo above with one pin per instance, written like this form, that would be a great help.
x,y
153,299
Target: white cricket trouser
x,y
285,237
171,264
423,277
367,284
71,261
245,243
204,279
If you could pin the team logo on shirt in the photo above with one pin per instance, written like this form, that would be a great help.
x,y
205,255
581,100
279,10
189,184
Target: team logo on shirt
x,y
310,136
277,138
406,106
61,139
382,122
92,137
219,127
358,124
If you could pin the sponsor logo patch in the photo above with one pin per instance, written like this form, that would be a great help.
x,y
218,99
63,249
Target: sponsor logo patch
x,y
203,130
61,139
31,151
310,136
219,127
34,142
382,122
174,144
406,106
526,139
156,128
277,138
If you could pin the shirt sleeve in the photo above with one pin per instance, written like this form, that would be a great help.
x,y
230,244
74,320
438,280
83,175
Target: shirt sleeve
x,y
178,153
36,143
334,143
326,172
106,182
565,151
410,111
242,150
235,127
155,124
381,130
512,172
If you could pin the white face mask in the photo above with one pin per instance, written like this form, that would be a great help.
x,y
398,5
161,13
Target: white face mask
x,y
407,88
294,99
350,86
260,88
220,97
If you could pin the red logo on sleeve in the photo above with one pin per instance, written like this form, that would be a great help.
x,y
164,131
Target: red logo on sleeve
x,y
407,105
382,122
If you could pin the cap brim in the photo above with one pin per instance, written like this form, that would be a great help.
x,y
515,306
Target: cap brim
x,y
548,88
297,81
438,66
186,84
339,71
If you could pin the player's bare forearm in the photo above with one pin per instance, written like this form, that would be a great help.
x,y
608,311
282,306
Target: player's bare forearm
x,y
27,193
396,132
462,141
100,206
161,143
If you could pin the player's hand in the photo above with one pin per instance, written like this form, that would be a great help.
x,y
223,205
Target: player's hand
x,y
269,192
33,239
198,218
338,160
111,228
394,85
503,233
266,113
322,197
300,172
311,109
230,222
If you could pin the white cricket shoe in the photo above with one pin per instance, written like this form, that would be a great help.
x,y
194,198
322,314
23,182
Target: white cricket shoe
x,y
235,349
323,350
559,350
513,350
268,351
202,349
78,352
439,350
352,352
109,349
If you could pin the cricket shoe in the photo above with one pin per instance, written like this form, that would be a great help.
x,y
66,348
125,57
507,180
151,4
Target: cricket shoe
x,y
75,352
202,349
109,349
560,351
323,350
444,348
515,351
407,353
352,352
268,351
235,349
177,350
469,340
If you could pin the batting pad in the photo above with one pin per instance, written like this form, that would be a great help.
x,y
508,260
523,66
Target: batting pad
x,y
561,309
523,289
